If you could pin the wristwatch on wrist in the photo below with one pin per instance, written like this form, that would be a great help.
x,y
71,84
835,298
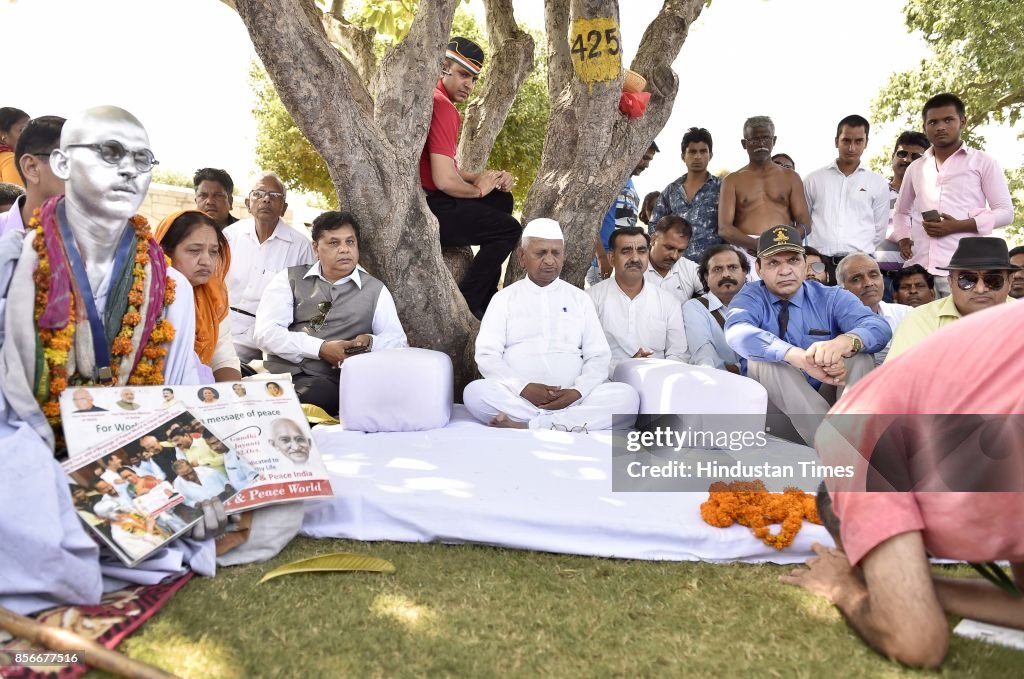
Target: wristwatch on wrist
x,y
858,345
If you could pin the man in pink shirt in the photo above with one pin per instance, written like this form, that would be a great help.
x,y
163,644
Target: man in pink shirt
x,y
471,209
881,580
964,186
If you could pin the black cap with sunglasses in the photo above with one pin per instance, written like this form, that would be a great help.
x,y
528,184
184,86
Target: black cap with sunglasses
x,y
981,253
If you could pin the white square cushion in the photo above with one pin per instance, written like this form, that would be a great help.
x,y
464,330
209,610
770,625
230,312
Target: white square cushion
x,y
396,390
673,388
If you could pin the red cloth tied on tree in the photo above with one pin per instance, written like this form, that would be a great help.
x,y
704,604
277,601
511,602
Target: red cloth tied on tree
x,y
634,104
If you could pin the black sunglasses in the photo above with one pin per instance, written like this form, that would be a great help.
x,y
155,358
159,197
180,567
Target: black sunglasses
x,y
903,154
969,279
318,321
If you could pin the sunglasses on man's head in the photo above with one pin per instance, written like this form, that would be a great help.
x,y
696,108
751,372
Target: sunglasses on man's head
x,y
993,280
903,154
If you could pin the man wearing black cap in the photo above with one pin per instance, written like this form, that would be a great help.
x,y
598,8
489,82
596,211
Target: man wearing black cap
x,y
979,277
798,334
471,209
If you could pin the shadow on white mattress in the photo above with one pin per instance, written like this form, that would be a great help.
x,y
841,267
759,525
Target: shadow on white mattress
x,y
547,491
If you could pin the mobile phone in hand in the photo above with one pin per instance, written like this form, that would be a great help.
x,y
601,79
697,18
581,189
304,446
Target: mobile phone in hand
x,y
931,216
358,349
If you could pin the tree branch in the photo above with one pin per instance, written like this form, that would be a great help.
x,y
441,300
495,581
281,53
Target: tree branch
x,y
591,148
511,62
273,22
404,82
556,27
357,43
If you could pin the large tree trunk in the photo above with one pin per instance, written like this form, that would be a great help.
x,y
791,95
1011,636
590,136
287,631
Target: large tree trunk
x,y
372,147
591,148
371,140
371,144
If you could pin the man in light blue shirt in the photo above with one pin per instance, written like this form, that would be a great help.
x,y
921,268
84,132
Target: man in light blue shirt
x,y
798,335
723,271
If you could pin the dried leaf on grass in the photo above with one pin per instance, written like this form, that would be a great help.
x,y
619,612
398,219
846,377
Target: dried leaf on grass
x,y
339,561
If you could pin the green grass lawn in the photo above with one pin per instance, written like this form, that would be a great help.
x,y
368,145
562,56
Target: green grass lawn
x,y
482,611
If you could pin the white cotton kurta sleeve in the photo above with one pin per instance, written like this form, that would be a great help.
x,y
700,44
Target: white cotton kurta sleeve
x,y
387,328
676,346
224,355
596,354
274,315
491,342
180,366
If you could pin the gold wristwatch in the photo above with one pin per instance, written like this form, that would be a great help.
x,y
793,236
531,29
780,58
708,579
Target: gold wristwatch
x,y
858,345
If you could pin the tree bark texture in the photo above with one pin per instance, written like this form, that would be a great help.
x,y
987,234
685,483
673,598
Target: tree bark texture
x,y
591,148
372,139
372,151
507,66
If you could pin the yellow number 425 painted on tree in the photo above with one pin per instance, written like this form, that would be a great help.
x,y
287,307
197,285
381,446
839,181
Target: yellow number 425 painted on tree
x,y
596,51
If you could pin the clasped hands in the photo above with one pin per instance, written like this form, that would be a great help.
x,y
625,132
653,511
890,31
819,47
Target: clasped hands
x,y
494,179
334,351
549,398
824,361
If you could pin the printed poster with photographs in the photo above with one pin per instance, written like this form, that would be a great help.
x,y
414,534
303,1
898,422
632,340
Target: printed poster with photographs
x,y
141,459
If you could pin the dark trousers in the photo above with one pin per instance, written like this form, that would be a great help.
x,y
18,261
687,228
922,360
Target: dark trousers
x,y
487,222
319,390
830,267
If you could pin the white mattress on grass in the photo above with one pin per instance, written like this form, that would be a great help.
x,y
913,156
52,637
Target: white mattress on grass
x,y
547,491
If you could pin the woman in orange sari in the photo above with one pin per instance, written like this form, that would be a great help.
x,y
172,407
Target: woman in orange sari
x,y
199,251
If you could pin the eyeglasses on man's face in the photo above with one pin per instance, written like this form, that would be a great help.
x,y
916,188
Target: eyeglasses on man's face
x,y
113,152
994,280
260,194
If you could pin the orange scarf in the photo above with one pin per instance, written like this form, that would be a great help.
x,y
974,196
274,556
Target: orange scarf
x,y
211,298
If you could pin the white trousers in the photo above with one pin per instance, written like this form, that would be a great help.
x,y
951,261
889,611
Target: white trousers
x,y
486,399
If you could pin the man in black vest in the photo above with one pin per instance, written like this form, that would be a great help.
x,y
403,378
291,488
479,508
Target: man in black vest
x,y
312,318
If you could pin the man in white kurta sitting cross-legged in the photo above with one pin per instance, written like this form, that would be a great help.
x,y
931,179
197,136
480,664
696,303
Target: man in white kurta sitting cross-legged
x,y
541,349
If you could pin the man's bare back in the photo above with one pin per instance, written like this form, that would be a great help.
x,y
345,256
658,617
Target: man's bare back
x,y
758,197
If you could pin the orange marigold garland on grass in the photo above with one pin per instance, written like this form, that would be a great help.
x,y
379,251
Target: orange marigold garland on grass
x,y
749,504
57,343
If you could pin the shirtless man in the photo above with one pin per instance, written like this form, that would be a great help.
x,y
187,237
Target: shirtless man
x,y
761,194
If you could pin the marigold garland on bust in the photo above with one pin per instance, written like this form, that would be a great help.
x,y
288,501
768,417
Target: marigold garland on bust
x,y
56,343
749,504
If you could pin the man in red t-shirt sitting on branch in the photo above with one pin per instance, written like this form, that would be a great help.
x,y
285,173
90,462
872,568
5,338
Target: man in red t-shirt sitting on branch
x,y
472,209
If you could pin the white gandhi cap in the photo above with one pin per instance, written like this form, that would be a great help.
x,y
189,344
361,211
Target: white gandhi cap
x,y
542,227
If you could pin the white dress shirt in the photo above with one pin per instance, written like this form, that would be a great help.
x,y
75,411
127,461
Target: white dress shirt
x,y
652,320
277,312
682,280
224,355
11,220
848,214
893,315
254,264
704,336
550,335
